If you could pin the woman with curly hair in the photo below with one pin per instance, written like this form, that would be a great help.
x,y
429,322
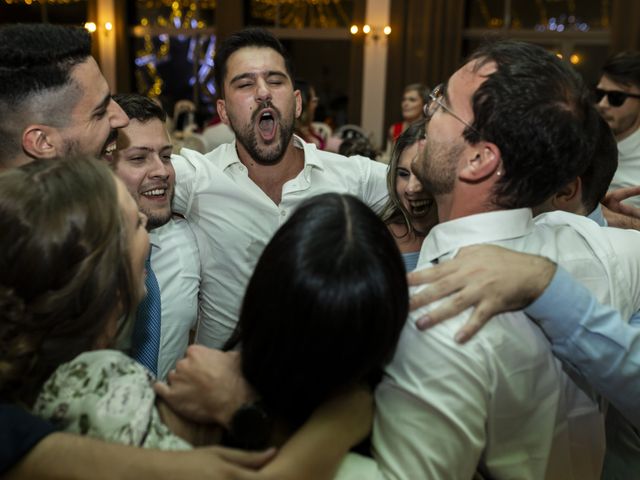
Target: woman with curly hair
x,y
73,250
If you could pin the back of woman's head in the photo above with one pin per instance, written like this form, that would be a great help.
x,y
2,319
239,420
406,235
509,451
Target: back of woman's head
x,y
324,308
63,267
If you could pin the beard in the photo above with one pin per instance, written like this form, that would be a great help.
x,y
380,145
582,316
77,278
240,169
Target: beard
x,y
158,219
436,167
270,154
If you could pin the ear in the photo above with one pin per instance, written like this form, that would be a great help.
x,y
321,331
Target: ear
x,y
569,197
39,141
483,161
298,97
221,106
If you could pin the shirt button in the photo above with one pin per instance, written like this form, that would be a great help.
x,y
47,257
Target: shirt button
x,y
283,212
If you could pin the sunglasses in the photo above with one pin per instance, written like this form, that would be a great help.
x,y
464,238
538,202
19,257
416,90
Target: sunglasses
x,y
614,97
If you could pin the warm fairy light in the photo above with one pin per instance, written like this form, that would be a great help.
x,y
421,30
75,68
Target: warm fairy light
x,y
90,26
575,59
366,29
108,26
559,55
387,30
353,29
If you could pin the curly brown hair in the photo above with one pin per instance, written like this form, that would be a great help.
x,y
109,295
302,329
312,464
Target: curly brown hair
x,y
64,268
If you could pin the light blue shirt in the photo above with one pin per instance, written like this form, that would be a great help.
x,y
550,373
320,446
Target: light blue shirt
x,y
594,339
598,217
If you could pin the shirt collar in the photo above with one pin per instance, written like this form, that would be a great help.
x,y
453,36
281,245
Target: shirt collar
x,y
480,228
311,158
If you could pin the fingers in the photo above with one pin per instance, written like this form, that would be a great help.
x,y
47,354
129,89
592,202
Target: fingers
x,y
162,389
478,319
629,210
452,306
621,194
247,459
429,275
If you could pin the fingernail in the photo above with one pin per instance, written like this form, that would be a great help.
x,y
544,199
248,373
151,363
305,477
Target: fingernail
x,y
424,322
460,337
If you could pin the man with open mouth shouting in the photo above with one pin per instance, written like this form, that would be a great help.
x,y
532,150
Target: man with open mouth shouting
x,y
237,196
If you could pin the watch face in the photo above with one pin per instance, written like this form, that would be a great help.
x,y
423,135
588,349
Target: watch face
x,y
251,427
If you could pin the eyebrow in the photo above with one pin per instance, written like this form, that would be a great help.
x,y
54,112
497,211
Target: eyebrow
x,y
149,149
252,76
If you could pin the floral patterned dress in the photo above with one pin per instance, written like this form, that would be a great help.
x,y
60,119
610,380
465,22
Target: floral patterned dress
x,y
107,395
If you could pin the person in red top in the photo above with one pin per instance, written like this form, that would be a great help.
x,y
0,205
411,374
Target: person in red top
x,y
413,100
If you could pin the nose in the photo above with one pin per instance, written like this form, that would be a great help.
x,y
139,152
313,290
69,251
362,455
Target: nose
x,y
159,169
263,92
413,185
117,117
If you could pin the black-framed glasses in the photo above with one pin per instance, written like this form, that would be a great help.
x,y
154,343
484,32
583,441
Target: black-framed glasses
x,y
435,101
615,97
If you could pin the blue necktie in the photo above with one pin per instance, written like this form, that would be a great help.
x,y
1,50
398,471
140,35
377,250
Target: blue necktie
x,y
146,331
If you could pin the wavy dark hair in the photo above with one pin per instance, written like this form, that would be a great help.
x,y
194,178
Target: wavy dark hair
x,y
324,308
539,113
64,268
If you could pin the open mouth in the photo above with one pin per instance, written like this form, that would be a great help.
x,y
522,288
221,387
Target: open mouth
x,y
420,207
110,145
267,125
156,193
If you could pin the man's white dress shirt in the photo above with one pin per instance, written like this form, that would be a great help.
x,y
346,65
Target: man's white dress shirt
x,y
233,219
501,402
176,263
628,172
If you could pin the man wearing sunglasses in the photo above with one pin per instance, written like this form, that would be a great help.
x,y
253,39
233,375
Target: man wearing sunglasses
x,y
617,98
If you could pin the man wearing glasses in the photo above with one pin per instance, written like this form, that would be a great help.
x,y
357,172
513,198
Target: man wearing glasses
x,y
509,129
618,101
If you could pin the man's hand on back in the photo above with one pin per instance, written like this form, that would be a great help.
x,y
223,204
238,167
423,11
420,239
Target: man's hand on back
x,y
490,278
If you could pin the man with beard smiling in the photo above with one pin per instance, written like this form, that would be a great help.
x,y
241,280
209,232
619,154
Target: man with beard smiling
x,y
54,101
237,196
142,160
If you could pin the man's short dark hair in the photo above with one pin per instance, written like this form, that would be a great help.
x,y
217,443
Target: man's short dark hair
x,y
249,37
138,107
34,59
597,177
623,68
539,113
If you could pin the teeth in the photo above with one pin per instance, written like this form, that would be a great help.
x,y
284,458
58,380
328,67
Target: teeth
x,y
110,148
154,193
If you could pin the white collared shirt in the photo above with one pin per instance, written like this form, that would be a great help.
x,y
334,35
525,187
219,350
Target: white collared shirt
x,y
628,172
176,262
501,401
233,219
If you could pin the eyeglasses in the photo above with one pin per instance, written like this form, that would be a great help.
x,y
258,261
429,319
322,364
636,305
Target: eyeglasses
x,y
435,101
614,97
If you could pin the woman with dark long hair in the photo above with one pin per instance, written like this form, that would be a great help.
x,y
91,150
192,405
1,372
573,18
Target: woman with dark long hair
x,y
323,310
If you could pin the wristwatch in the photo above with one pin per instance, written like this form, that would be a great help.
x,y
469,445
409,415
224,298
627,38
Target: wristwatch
x,y
250,427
